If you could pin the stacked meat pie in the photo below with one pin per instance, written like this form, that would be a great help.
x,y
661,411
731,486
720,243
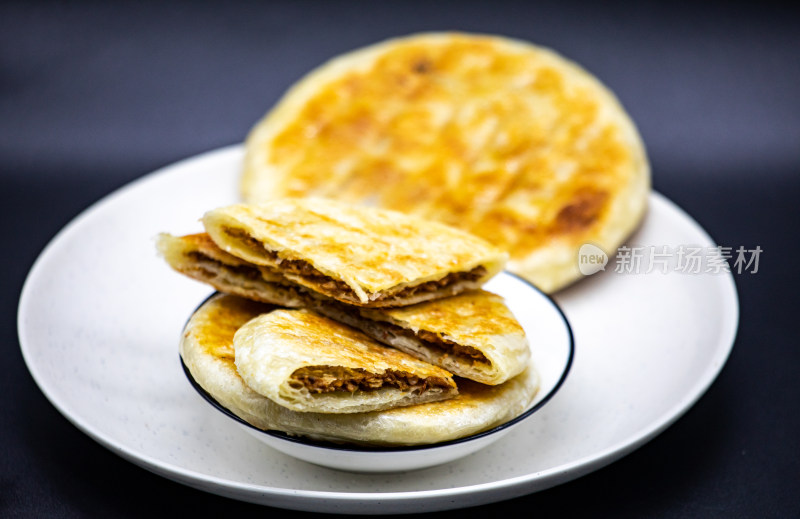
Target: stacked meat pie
x,y
351,324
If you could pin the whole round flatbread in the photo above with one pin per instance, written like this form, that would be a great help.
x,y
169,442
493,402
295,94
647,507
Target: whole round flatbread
x,y
207,351
505,139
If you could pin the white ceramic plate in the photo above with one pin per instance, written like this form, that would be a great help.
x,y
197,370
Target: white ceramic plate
x,y
100,316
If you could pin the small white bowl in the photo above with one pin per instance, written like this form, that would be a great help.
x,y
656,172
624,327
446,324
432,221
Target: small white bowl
x,y
552,347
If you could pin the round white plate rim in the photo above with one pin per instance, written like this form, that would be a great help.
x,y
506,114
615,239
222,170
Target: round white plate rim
x,y
511,486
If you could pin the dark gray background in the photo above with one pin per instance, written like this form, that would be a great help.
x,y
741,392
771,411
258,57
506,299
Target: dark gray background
x,y
95,95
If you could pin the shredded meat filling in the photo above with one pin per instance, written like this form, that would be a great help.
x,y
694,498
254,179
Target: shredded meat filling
x,y
340,289
452,347
251,273
327,379
435,341
450,279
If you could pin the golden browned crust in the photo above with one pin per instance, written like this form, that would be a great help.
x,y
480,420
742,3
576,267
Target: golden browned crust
x,y
498,137
473,335
360,255
279,353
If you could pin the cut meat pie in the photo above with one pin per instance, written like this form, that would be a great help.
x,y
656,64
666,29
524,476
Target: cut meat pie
x,y
310,363
197,256
472,335
207,351
358,255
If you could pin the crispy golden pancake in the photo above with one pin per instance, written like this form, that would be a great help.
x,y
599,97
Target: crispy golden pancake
x,y
473,335
498,137
359,255
310,363
207,351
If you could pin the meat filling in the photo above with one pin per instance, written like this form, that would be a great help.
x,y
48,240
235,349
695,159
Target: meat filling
x,y
383,331
251,273
454,348
340,289
450,279
327,379
433,340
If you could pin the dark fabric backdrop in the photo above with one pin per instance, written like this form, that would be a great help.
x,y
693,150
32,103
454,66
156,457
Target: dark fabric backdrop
x,y
94,95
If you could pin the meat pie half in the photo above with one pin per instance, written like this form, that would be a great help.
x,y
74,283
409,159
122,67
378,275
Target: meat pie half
x,y
473,335
310,363
361,256
198,257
